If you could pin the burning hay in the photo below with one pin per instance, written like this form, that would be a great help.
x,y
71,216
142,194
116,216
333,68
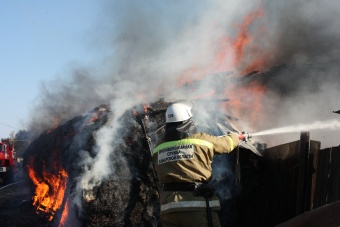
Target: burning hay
x,y
127,194
95,170
54,163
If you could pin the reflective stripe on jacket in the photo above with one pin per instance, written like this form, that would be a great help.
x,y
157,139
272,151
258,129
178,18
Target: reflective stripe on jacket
x,y
185,201
189,160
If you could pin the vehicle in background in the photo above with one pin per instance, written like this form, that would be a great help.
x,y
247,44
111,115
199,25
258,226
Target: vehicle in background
x,y
7,161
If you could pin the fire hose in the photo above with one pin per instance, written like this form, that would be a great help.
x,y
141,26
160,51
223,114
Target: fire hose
x,y
148,139
243,137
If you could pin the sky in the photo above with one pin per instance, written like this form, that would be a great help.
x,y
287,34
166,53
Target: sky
x,y
40,40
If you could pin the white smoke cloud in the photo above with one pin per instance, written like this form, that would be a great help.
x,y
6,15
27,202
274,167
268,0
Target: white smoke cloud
x,y
107,140
152,44
303,35
304,107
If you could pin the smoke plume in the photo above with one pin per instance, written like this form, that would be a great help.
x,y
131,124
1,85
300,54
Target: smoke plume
x,y
153,46
302,38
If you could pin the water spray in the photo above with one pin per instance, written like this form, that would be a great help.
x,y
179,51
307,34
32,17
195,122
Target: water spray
x,y
318,125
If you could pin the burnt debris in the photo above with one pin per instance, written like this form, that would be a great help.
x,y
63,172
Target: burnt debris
x,y
128,196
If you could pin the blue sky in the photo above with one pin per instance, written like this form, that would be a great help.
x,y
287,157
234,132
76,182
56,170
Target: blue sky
x,y
39,41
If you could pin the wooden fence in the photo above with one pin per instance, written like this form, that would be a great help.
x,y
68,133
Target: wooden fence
x,y
292,178
327,185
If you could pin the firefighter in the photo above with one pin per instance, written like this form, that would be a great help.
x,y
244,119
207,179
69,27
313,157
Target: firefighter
x,y
183,161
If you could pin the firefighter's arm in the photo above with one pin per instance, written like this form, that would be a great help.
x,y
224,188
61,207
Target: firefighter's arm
x,y
225,143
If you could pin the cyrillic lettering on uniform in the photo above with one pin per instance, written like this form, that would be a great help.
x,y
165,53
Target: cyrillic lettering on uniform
x,y
176,153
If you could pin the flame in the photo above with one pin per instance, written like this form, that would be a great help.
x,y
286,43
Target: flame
x,y
223,59
243,39
64,215
93,118
242,54
145,107
50,189
246,102
96,115
239,53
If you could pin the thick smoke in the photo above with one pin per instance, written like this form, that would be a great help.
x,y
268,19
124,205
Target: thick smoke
x,y
307,100
301,31
304,36
108,140
153,45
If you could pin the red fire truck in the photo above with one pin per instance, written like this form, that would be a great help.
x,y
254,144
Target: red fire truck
x,y
7,161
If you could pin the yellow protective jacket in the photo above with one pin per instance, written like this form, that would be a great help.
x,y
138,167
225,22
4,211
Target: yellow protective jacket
x,y
189,160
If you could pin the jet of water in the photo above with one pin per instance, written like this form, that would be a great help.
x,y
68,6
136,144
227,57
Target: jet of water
x,y
318,125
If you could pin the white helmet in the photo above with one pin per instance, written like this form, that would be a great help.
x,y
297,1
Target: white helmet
x,y
179,111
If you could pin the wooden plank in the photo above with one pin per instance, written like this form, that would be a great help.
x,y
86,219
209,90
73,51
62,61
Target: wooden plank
x,y
303,182
282,164
322,179
314,156
287,152
334,177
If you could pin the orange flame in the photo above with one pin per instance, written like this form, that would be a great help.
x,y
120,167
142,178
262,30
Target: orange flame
x,y
96,115
239,52
243,54
93,118
64,215
246,102
145,107
243,38
49,191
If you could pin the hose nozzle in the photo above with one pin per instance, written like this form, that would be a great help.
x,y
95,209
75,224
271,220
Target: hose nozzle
x,y
244,136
